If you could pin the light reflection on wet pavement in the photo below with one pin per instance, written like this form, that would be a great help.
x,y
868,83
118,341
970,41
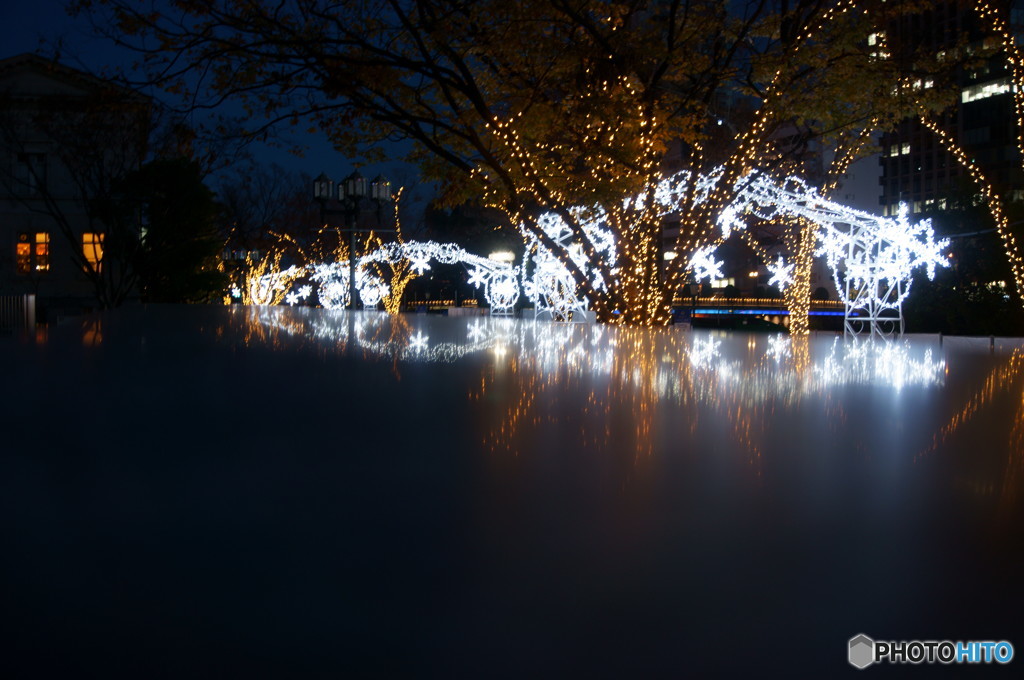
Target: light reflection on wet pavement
x,y
303,491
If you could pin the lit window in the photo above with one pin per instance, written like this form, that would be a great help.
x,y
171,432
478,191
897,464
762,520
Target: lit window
x,y
23,255
986,90
32,252
42,251
905,149
92,248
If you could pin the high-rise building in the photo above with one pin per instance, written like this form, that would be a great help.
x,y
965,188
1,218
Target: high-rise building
x,y
916,170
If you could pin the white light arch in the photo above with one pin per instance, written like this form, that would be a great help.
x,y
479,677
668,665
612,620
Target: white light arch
x,y
871,257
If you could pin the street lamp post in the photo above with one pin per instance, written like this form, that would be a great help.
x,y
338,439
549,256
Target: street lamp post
x,y
352,191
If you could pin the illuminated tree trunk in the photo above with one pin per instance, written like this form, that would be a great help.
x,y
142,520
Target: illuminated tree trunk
x,y
797,294
401,275
644,297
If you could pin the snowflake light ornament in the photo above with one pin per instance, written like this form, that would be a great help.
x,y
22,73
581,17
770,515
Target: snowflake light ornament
x,y
704,264
729,220
782,274
477,277
421,263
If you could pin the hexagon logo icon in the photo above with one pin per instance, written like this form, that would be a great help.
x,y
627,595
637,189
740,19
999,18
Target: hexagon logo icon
x,y
862,651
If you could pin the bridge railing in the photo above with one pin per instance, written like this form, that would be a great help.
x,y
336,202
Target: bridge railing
x,y
749,303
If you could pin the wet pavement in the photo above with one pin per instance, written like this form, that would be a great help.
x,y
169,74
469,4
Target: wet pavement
x,y
189,491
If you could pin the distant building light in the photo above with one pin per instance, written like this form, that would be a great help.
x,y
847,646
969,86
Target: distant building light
x,y
753,274
986,90
670,255
502,256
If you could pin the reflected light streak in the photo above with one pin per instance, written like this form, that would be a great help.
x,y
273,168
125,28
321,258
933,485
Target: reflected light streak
x,y
620,370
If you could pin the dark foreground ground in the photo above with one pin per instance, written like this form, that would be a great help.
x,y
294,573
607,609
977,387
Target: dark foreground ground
x,y
193,492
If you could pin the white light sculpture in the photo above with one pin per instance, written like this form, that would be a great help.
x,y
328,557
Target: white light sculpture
x,y
547,283
705,266
871,257
498,277
261,290
782,274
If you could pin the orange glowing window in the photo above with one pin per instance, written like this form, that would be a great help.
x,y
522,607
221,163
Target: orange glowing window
x,y
32,252
42,251
23,257
92,247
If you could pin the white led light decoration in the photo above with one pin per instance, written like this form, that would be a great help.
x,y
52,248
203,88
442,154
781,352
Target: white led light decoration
x,y
372,291
871,257
547,283
705,266
498,277
782,274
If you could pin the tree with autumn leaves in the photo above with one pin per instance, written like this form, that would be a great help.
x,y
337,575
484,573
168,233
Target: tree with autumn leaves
x,y
538,106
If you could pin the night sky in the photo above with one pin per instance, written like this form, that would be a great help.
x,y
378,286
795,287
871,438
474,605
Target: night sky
x,y
38,25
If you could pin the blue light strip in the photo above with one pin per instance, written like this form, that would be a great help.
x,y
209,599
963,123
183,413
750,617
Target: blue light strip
x,y
766,312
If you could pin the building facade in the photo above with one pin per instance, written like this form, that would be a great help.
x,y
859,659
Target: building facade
x,y
916,169
65,138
